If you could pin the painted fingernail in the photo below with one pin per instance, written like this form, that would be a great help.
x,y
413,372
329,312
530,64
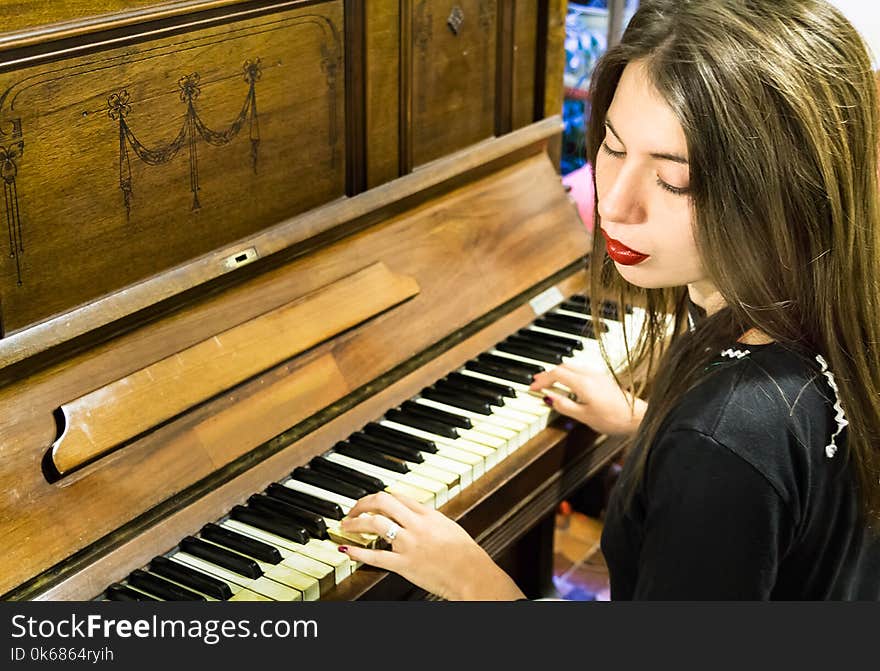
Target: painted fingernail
x,y
343,548
548,401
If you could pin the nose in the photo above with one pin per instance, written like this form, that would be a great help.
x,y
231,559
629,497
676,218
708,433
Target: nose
x,y
620,196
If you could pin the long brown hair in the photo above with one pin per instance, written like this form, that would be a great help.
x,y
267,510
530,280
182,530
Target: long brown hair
x,y
778,103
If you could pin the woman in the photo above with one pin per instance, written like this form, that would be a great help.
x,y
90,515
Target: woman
x,y
735,151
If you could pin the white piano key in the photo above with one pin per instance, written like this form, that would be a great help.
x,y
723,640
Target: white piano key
x,y
525,400
282,572
444,448
464,471
321,572
481,438
344,502
208,597
459,449
513,431
521,359
342,565
261,585
438,491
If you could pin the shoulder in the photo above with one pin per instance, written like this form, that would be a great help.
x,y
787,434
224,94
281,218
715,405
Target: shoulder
x,y
768,406
761,390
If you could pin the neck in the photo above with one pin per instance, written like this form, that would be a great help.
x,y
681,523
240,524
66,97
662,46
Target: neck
x,y
704,294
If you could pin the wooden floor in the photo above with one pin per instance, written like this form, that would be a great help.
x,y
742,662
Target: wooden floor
x,y
579,570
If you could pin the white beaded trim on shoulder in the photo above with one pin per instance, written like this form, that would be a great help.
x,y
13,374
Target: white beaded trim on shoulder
x,y
840,418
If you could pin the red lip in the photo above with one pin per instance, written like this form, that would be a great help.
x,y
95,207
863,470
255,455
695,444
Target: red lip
x,y
622,254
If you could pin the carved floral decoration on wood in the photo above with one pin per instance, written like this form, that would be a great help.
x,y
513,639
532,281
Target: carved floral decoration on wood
x,y
192,129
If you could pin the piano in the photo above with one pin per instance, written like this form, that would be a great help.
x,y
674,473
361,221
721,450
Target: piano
x,y
265,256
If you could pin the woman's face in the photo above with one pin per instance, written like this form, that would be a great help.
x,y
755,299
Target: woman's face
x,y
642,183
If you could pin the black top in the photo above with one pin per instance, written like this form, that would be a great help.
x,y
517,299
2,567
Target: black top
x,y
740,499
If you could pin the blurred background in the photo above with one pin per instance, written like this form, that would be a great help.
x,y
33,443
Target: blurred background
x,y
590,27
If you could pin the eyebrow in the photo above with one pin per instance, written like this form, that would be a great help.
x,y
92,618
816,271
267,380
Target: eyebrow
x,y
675,158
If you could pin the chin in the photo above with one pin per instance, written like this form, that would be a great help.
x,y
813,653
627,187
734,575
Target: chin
x,y
642,275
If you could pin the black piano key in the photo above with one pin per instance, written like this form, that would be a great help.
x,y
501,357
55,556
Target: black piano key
x,y
472,393
586,325
316,504
529,351
423,423
458,400
269,522
371,483
608,309
477,384
504,362
329,483
119,592
227,559
538,344
313,524
577,323
241,543
566,327
459,421
369,456
539,336
190,577
386,447
575,306
503,373
161,588
392,434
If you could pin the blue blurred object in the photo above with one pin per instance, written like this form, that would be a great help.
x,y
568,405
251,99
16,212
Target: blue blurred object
x,y
586,39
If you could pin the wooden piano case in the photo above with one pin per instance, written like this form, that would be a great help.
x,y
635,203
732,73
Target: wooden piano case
x,y
238,231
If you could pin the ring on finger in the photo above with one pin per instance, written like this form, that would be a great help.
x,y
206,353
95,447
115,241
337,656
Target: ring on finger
x,y
392,532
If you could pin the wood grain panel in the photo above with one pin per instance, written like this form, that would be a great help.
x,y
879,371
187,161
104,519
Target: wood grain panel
x,y
525,41
94,424
309,388
19,15
383,91
555,57
453,76
169,149
30,349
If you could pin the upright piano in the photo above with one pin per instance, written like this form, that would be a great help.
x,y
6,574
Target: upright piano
x,y
263,254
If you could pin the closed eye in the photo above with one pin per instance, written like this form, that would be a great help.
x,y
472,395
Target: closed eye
x,y
677,190
614,154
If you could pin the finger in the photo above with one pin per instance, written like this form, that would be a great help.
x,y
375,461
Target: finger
x,y
543,380
367,523
564,405
384,559
384,504
572,379
562,378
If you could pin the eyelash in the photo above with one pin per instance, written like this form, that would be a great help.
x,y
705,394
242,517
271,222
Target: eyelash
x,y
678,191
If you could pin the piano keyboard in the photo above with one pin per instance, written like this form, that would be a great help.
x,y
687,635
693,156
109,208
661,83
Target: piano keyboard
x,y
282,544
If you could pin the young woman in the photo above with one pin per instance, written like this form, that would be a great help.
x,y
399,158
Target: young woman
x,y
735,151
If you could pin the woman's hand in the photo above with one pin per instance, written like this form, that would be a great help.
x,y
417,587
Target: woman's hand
x,y
429,550
599,402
